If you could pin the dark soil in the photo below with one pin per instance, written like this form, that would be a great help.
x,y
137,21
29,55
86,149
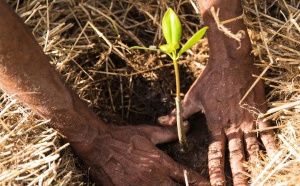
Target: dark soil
x,y
196,156
151,98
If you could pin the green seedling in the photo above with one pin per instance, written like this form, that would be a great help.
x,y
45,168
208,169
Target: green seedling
x,y
172,30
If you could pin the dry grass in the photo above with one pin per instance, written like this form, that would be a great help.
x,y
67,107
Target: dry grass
x,y
87,42
277,24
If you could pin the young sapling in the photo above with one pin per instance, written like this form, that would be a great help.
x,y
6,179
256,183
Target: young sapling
x,y
172,30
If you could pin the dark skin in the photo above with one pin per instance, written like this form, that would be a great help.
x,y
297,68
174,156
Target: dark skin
x,y
113,155
218,91
127,155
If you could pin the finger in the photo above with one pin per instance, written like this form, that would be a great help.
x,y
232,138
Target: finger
x,y
267,136
156,178
252,146
165,182
216,155
241,121
236,156
252,149
189,107
268,139
165,134
99,176
168,120
192,177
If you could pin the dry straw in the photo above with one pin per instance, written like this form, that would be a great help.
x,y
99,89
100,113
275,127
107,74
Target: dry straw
x,y
87,42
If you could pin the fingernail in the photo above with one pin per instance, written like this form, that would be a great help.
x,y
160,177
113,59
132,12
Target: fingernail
x,y
163,119
185,123
219,184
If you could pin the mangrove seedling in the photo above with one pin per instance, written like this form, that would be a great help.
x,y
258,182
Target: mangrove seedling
x,y
172,30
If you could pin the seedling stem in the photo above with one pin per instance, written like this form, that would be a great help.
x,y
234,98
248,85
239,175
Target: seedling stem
x,y
172,30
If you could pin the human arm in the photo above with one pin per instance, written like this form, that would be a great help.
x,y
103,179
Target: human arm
x,y
218,91
113,155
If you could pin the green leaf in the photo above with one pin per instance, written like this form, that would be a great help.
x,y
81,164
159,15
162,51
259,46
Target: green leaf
x,y
166,48
169,48
192,41
142,48
171,27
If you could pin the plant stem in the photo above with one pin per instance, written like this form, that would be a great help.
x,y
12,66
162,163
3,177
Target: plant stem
x,y
181,133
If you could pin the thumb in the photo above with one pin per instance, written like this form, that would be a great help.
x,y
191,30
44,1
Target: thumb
x,y
189,107
158,135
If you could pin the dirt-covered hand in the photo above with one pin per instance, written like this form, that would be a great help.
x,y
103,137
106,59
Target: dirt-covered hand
x,y
217,93
128,156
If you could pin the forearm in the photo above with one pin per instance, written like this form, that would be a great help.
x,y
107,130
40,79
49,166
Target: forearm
x,y
222,46
26,72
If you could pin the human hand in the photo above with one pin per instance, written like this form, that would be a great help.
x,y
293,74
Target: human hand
x,y
127,156
217,93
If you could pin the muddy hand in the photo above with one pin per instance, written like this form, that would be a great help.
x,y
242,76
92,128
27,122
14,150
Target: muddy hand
x,y
114,156
218,91
128,156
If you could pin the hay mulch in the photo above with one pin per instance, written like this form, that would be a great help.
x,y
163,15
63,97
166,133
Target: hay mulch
x,y
87,42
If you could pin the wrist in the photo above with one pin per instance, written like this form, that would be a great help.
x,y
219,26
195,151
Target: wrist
x,y
227,34
76,121
79,126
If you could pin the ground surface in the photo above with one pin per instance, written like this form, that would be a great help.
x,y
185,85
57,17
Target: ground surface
x,y
88,44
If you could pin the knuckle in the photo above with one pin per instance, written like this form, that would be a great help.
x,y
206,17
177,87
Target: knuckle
x,y
253,147
235,145
217,179
239,179
236,155
236,150
215,154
